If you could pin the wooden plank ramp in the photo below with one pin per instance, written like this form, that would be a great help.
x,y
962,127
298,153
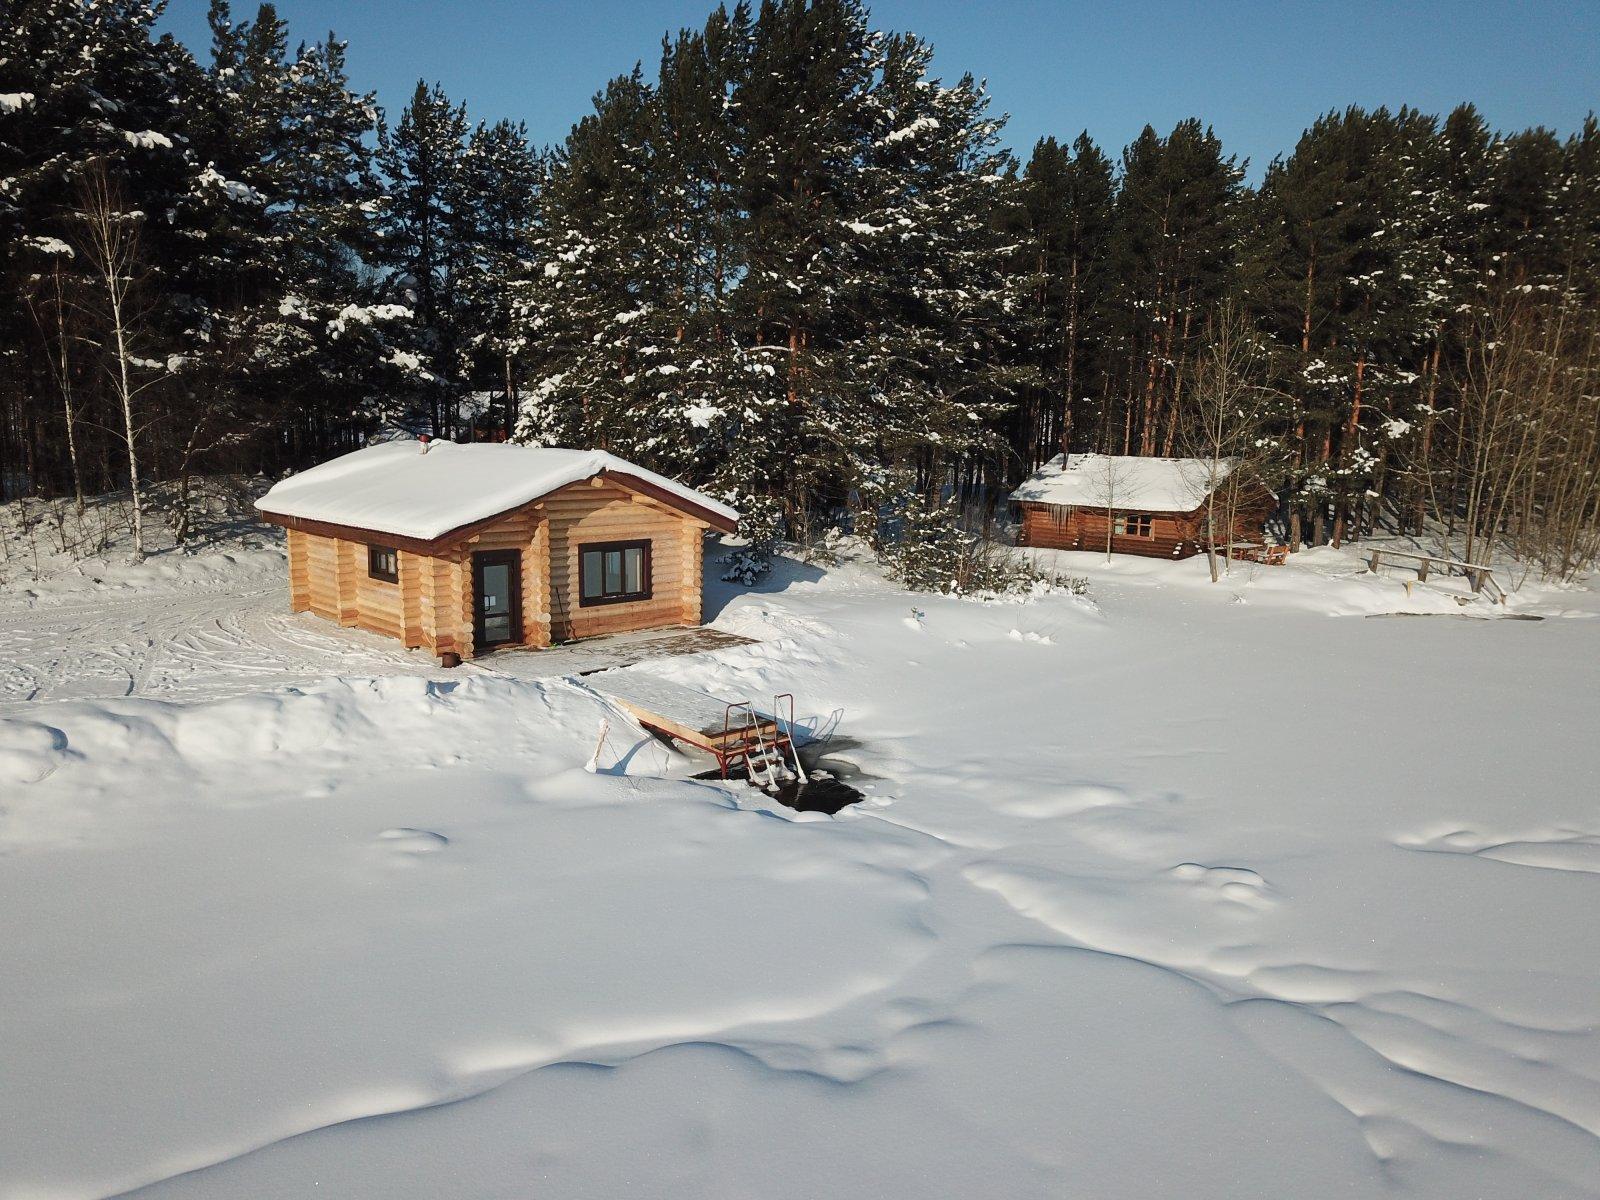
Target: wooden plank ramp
x,y
696,717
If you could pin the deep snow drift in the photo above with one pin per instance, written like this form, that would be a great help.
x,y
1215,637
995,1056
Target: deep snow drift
x,y
1184,890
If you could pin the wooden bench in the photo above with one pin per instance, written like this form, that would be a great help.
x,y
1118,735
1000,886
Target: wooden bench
x,y
1257,552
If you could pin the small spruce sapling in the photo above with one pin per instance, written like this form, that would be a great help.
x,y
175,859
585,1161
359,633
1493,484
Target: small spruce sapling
x,y
761,525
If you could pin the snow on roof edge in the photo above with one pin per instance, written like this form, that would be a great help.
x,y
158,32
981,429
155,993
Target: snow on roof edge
x,y
1133,482
396,488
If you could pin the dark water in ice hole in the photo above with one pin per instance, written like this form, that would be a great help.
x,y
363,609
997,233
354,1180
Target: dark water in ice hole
x,y
828,786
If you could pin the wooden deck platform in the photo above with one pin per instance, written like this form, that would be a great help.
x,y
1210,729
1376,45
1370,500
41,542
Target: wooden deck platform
x,y
607,652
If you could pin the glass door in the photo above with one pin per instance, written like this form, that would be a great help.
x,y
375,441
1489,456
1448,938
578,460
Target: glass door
x,y
497,590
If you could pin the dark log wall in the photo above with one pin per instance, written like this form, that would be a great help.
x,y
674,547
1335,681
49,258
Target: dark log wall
x,y
1173,535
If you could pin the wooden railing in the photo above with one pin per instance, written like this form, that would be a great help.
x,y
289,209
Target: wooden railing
x,y
1480,578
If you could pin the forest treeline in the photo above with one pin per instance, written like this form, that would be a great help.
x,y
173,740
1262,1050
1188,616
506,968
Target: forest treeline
x,y
788,265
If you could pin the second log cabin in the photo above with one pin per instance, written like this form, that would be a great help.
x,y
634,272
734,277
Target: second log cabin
x,y
463,549
1157,507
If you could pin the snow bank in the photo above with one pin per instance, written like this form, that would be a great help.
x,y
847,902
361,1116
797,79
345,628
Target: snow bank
x,y
395,488
1320,580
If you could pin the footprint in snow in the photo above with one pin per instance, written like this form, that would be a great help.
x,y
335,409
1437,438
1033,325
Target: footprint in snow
x,y
1237,884
412,841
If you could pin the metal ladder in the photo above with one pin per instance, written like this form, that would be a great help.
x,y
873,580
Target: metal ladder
x,y
762,756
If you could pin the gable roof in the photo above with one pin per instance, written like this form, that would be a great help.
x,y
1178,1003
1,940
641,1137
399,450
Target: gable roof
x,y
1149,484
395,488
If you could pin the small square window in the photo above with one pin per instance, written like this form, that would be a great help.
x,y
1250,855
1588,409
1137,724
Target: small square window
x,y
1132,525
383,562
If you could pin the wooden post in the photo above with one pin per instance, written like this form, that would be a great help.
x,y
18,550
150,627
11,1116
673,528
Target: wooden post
x,y
1422,571
1373,565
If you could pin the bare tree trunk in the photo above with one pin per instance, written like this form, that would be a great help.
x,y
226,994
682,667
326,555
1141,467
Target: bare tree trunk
x,y
61,368
125,398
1425,450
111,244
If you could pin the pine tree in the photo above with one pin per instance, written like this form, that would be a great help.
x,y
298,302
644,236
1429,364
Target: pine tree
x,y
1172,256
421,159
1066,200
306,346
499,175
1358,284
929,283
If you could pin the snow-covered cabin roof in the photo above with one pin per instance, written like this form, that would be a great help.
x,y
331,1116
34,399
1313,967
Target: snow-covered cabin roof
x,y
1150,484
398,489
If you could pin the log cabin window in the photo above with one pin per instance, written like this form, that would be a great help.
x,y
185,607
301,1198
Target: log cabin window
x,y
613,572
1132,525
383,562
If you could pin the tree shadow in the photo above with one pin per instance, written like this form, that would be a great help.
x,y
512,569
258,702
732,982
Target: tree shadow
x,y
717,593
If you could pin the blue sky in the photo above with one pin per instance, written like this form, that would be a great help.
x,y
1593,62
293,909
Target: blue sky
x,y
1259,73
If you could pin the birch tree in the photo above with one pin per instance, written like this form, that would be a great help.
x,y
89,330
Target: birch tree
x,y
109,244
1526,427
1108,487
1231,416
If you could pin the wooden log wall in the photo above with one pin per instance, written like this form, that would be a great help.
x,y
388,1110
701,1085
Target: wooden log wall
x,y
522,530
338,588
694,546
345,580
322,576
536,585
1055,527
431,605
411,570
299,572
1173,535
599,511
451,600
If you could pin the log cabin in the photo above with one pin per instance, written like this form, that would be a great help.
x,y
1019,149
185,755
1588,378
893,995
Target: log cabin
x,y
464,549
1155,506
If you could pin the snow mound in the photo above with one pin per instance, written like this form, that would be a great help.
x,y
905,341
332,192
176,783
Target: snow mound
x,y
30,752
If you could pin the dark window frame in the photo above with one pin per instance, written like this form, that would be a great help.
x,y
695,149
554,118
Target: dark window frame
x,y
1139,525
646,576
375,569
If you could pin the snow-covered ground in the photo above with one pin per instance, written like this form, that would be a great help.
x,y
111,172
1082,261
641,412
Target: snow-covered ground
x,y
196,623
1177,890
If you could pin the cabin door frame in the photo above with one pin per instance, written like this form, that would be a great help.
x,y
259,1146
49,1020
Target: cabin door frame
x,y
481,560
